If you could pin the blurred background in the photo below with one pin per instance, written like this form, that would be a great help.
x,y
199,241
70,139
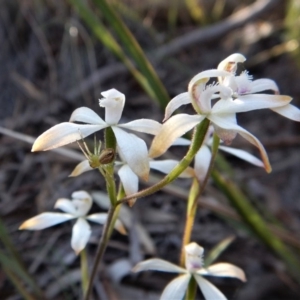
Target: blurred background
x,y
56,56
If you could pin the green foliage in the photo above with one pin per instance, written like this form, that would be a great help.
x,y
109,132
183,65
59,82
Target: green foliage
x,y
15,269
146,75
256,223
292,24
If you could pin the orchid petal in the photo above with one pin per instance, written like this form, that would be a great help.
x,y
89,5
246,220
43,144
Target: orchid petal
x,y
134,151
208,290
129,180
223,270
167,165
226,135
82,195
193,257
206,75
229,63
100,218
202,162
45,220
63,134
181,99
143,125
82,202
250,102
157,264
181,142
176,289
175,127
204,100
65,205
82,167
113,102
289,111
243,155
120,227
264,84
202,95
86,115
222,123
81,233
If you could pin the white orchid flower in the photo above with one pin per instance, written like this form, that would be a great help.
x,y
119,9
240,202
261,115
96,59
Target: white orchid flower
x,y
203,156
132,147
176,289
243,85
129,179
222,114
77,208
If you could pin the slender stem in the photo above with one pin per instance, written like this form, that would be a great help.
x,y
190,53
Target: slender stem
x,y
121,194
190,217
110,142
84,270
197,140
195,192
214,148
100,251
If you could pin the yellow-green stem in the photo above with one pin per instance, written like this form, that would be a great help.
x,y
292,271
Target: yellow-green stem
x,y
100,251
190,217
84,270
110,142
195,192
120,195
197,140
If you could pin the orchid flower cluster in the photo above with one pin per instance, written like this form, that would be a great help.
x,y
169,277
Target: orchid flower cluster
x,y
216,104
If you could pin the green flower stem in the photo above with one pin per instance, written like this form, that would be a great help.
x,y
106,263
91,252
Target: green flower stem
x,y
190,217
110,142
214,152
100,251
195,192
120,195
197,140
191,290
112,216
257,224
84,270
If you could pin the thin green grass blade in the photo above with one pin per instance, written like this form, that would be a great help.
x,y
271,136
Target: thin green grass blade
x,y
15,259
18,284
257,224
103,34
134,49
217,250
16,273
5,239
